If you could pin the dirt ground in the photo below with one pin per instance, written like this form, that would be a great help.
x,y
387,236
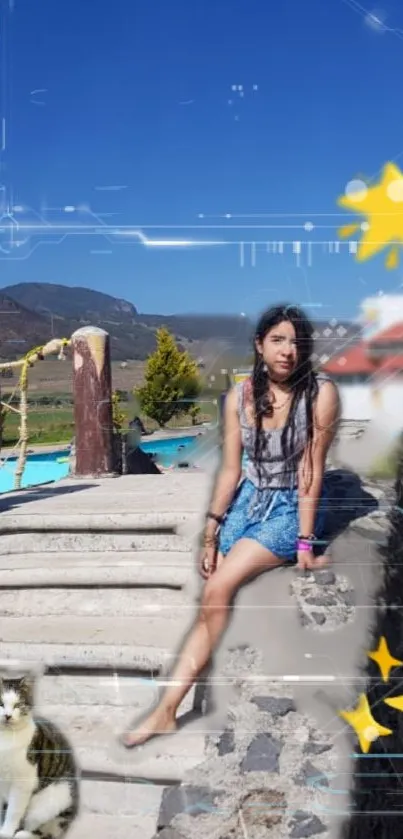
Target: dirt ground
x,y
56,376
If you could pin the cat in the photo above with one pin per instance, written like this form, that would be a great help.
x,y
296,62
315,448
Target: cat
x,y
39,790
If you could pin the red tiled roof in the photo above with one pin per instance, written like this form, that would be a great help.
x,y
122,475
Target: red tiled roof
x,y
392,333
353,360
392,364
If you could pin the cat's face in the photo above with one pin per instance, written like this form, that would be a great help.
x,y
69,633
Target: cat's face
x,y
16,701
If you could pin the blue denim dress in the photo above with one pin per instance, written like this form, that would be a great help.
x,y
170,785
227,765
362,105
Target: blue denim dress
x,y
264,508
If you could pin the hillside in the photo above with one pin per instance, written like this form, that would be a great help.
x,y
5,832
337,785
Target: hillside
x,y
20,328
63,309
43,310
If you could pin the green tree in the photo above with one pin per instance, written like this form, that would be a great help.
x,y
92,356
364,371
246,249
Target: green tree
x,y
172,382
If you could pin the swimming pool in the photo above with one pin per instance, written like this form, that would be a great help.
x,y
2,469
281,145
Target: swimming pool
x,y
41,468
170,451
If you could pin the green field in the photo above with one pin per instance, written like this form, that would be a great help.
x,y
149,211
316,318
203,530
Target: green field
x,y
55,424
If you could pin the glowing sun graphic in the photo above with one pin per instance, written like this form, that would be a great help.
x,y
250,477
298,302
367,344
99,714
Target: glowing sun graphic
x,y
382,207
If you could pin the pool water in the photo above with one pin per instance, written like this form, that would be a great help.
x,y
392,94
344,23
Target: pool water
x,y
171,451
43,468
39,469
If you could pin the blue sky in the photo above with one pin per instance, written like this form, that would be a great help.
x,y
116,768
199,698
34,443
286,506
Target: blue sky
x,y
139,95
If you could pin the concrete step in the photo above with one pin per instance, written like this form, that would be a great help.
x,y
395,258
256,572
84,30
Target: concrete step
x,y
135,693
47,541
166,606
131,632
94,733
96,559
97,568
141,826
112,810
92,656
134,520
115,798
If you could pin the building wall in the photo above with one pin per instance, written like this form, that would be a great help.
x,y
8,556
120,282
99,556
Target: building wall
x,y
392,398
378,313
362,402
356,402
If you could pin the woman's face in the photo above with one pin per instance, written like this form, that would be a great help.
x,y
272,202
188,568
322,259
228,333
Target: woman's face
x,y
279,350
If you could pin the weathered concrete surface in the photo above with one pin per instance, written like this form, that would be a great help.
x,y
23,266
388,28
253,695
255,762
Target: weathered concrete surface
x,y
102,574
141,522
266,619
94,733
317,671
78,629
43,541
105,631
117,811
172,493
96,656
110,602
126,692
98,559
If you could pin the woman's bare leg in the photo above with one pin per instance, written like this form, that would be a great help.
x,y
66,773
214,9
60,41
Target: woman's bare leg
x,y
245,560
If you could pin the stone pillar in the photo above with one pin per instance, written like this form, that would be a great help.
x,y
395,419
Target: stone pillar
x,y
92,393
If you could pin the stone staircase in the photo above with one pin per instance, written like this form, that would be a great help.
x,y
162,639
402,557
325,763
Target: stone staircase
x,y
103,602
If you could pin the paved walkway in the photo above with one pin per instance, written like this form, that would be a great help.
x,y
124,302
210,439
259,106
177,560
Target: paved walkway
x,y
69,555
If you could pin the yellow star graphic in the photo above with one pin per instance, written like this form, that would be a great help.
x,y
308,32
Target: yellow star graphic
x,y
384,659
395,702
365,726
382,205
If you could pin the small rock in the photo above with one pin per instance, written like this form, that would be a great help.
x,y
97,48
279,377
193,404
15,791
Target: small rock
x,y
184,798
325,578
321,600
310,772
319,618
348,597
226,743
278,707
306,824
304,618
316,748
262,755
168,833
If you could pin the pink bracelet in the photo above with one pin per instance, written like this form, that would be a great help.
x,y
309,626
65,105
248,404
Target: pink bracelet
x,y
302,545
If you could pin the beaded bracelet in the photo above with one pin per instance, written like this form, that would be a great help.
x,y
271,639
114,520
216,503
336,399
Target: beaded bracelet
x,y
305,543
209,541
303,546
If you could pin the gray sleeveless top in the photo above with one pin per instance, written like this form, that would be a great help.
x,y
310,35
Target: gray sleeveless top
x,y
275,472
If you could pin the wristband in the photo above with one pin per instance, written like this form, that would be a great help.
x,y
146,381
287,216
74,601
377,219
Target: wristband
x,y
303,545
218,519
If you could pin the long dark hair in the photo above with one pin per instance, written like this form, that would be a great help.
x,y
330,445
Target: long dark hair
x,y
302,381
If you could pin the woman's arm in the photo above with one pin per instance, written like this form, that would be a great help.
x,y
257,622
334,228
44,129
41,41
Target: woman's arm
x,y
231,465
326,413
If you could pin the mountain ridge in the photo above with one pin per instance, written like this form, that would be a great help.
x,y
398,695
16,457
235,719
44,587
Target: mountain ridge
x,y
45,310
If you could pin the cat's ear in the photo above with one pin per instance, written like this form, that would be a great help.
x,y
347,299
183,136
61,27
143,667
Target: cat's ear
x,y
26,685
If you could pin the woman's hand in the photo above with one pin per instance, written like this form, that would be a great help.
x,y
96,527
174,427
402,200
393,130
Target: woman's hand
x,y
307,561
207,561
208,555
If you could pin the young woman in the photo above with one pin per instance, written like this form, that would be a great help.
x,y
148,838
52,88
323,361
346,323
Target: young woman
x,y
283,419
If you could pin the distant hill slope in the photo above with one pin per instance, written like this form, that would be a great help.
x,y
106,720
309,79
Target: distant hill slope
x,y
68,302
20,328
64,309
47,309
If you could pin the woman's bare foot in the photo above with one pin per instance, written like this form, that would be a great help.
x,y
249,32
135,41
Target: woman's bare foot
x,y
159,722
